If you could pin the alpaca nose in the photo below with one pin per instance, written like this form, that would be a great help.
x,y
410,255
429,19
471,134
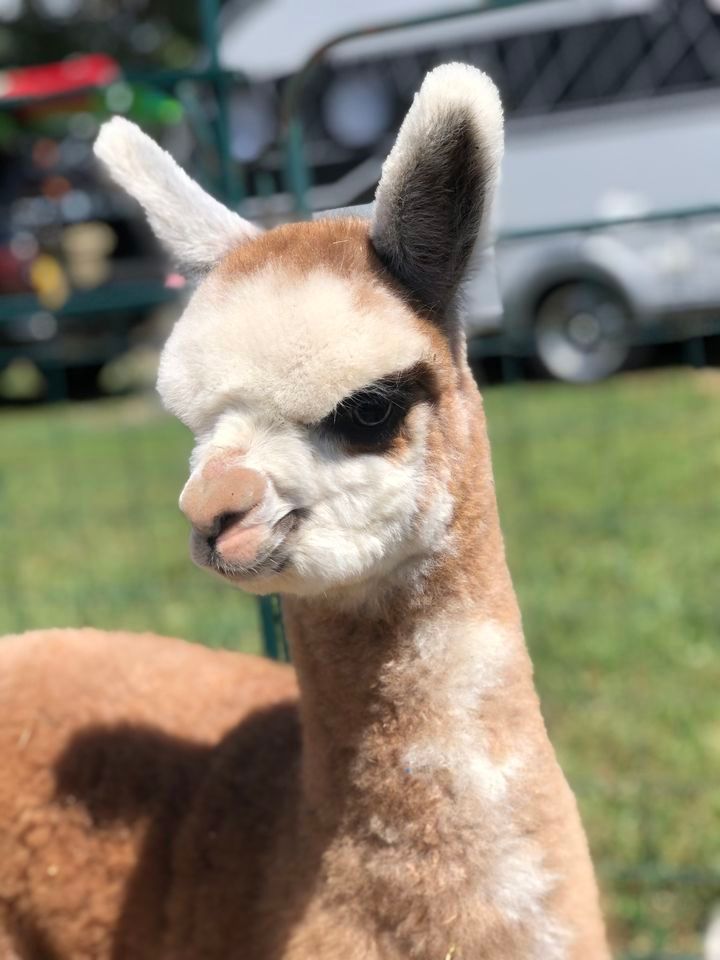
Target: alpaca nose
x,y
221,494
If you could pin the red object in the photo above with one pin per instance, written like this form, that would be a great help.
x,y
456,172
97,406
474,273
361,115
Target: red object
x,y
12,273
93,70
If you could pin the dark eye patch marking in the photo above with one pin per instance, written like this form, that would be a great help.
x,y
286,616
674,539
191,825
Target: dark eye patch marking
x,y
372,417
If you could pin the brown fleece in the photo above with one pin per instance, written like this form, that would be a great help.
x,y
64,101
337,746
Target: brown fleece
x,y
160,801
105,739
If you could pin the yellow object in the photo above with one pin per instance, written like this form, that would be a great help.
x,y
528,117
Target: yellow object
x,y
49,282
88,248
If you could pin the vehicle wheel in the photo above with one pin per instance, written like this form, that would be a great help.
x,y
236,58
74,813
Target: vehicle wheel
x,y
582,331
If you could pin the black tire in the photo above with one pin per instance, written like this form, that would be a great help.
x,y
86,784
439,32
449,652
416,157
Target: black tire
x,y
582,331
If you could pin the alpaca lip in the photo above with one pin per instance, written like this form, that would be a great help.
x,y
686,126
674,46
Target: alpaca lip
x,y
239,540
258,549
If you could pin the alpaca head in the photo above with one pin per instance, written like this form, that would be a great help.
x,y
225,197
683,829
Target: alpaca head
x,y
320,365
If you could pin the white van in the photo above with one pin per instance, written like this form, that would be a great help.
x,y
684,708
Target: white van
x,y
609,215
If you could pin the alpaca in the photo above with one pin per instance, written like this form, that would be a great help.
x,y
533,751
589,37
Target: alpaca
x,y
400,799
711,940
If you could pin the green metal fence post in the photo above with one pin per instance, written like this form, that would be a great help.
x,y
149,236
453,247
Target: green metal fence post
x,y
209,12
273,633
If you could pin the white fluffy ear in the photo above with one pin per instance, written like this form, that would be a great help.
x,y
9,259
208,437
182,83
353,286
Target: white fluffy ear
x,y
196,229
435,194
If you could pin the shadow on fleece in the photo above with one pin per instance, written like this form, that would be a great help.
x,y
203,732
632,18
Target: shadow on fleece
x,y
201,826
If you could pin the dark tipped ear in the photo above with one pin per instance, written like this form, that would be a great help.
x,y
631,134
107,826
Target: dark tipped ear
x,y
435,194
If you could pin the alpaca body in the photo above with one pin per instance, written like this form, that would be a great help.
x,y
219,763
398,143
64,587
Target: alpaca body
x,y
97,783
171,826
167,803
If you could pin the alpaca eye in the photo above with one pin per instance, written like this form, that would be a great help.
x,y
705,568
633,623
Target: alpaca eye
x,y
368,418
371,412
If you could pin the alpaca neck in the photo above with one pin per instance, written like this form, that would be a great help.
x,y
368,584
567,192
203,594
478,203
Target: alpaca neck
x,y
428,781
389,691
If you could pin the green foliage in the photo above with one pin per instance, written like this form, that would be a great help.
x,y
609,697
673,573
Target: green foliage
x,y
609,500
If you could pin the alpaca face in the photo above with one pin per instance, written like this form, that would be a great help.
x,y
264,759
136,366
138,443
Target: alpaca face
x,y
319,365
312,388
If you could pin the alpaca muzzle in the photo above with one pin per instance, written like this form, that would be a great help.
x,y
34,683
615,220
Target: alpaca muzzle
x,y
224,503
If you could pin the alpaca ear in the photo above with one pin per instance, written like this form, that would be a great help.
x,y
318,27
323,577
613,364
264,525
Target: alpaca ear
x,y
195,229
435,194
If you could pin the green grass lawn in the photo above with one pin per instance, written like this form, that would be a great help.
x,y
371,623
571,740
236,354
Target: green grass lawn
x,y
611,506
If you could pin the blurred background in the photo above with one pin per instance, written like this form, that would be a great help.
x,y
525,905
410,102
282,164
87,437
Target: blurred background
x,y
594,331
